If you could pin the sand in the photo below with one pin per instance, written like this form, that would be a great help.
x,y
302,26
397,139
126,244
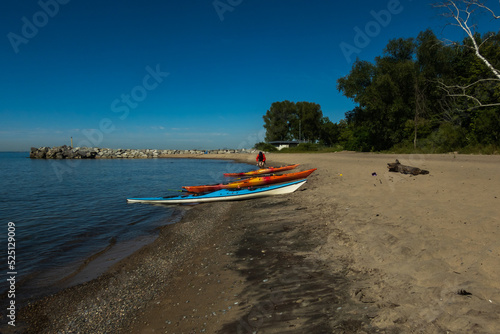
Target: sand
x,y
357,249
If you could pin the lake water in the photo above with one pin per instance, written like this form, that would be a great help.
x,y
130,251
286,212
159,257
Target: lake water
x,y
64,211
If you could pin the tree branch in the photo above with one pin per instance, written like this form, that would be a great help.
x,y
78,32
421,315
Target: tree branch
x,y
481,5
462,16
461,91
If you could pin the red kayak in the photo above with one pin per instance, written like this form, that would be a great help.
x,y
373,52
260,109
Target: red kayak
x,y
251,182
268,170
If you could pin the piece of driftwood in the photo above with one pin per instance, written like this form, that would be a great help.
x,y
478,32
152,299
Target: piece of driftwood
x,y
398,167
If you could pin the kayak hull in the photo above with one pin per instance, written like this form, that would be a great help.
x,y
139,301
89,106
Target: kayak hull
x,y
251,182
224,195
268,170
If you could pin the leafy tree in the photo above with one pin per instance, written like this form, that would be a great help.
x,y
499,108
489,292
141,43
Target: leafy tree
x,y
329,132
293,121
485,127
308,121
384,92
400,97
278,119
359,79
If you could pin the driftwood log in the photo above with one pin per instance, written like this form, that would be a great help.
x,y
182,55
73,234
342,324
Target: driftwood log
x,y
398,167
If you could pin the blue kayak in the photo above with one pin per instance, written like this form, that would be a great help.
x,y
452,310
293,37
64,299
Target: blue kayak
x,y
224,194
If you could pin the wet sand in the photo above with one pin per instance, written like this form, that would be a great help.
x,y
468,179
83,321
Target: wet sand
x,y
357,249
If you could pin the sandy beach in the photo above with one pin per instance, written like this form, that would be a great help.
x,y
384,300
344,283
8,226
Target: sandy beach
x,y
357,249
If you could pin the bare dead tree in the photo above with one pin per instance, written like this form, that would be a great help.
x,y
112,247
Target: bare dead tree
x,y
460,12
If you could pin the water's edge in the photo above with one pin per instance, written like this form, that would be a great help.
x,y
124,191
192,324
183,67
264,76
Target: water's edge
x,y
40,283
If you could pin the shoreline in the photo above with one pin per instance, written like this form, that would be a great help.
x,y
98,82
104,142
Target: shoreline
x,y
42,282
122,283
85,268
352,251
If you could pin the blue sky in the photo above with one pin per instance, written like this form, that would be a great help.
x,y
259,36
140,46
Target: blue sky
x,y
181,74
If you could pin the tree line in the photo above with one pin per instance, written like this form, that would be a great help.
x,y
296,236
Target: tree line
x,y
301,121
420,94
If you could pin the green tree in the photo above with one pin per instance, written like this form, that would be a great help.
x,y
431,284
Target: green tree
x,y
278,119
293,121
307,124
385,93
445,96
329,132
485,127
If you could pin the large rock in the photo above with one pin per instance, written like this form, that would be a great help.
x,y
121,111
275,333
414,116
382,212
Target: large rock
x,y
39,153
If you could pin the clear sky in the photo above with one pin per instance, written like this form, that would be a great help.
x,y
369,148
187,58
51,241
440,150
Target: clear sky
x,y
182,74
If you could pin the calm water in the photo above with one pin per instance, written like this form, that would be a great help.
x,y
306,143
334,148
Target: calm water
x,y
66,210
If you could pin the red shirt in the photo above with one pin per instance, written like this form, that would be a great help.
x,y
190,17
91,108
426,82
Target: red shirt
x,y
263,157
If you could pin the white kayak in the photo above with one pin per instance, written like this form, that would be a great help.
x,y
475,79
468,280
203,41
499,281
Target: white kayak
x,y
224,194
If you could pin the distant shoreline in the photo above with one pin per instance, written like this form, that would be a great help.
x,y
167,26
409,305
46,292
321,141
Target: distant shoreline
x,y
68,152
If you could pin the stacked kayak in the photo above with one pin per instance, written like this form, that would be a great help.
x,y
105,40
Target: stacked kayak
x,y
251,187
224,194
251,182
268,170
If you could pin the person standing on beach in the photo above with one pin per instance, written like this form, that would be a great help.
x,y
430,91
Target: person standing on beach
x,y
261,159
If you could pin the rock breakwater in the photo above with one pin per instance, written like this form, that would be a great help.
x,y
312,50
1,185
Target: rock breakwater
x,y
67,152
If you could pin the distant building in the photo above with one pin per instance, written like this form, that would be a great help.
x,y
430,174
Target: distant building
x,y
280,144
